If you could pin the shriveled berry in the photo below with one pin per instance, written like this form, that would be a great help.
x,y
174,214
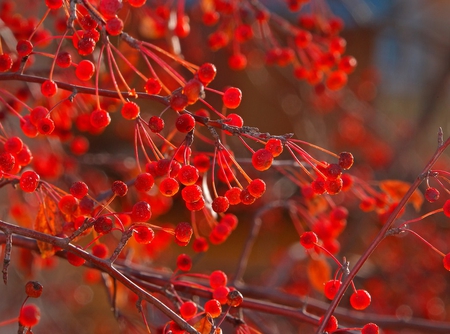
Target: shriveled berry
x,y
235,298
33,289
194,90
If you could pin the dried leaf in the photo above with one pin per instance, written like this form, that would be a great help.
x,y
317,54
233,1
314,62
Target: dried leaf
x,y
49,221
204,325
319,272
397,189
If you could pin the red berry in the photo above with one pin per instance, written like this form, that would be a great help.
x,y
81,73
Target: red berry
x,y
114,26
109,8
274,146
333,171
75,260
331,325
137,3
184,262
247,198
183,232
79,145
85,70
188,310
200,245
192,193
27,127
68,204
29,181
230,220
103,225
333,186
360,299
213,307
64,59
309,240
144,182
432,194
156,124
194,90
347,64
141,212
185,123
85,46
54,4
169,187
217,40
257,188
79,189
232,98
218,278
33,289
206,73
178,101
100,118
336,80
233,195
6,62
219,234
46,126
188,175
234,298
303,38
119,188
346,160
237,61
24,48
29,315
221,293
13,145
100,250
220,204
152,86
130,110
331,288
49,88
262,159
143,234
370,328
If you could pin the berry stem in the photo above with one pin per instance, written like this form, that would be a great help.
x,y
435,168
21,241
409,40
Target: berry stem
x,y
425,241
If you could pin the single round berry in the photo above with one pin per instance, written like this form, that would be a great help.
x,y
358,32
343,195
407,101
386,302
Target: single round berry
x,y
432,194
75,260
33,289
137,3
85,70
257,188
79,189
309,239
237,61
114,26
184,262
49,88
331,325
85,46
130,110
103,225
152,86
360,299
169,186
333,171
200,245
7,162
64,59
100,250
346,160
185,123
262,159
143,234
141,212
247,198
219,234
109,8
46,126
206,73
100,118
144,182
188,310
37,114
220,204
29,315
188,175
54,4
274,146
233,195
221,293
194,90
370,328
232,98
178,101
24,48
347,64
29,181
156,124
6,62
68,204
183,232
446,207
217,278
196,206
119,188
13,145
213,307
331,288
192,193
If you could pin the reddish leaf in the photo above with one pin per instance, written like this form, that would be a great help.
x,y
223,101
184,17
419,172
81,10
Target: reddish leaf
x,y
319,272
397,189
204,325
